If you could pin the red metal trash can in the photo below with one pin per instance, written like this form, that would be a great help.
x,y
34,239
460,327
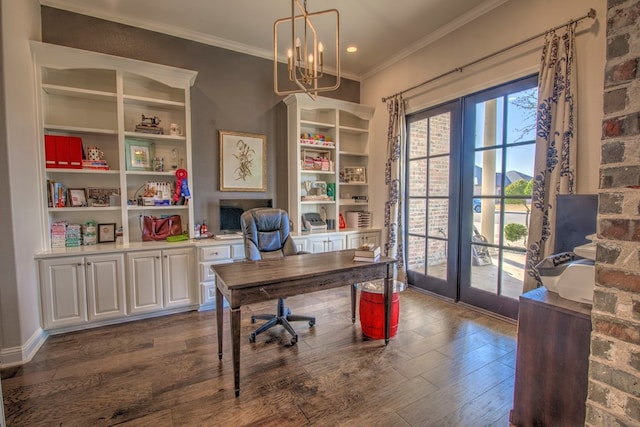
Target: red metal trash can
x,y
371,308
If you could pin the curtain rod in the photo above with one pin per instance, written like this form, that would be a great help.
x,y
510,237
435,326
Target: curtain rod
x,y
591,14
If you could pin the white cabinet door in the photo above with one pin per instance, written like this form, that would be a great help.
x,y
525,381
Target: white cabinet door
x,y
325,243
178,277
359,239
105,286
145,281
63,285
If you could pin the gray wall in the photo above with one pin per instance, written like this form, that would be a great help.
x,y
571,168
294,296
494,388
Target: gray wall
x,y
233,91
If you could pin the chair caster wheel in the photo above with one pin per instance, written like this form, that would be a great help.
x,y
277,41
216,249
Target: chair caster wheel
x,y
253,320
311,323
252,338
294,340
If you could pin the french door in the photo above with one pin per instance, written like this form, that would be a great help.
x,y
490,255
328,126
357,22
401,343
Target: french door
x,y
432,208
469,171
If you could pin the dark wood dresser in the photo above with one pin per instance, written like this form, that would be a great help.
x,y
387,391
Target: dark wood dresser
x,y
552,361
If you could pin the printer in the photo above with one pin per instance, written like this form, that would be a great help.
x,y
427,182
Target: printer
x,y
571,274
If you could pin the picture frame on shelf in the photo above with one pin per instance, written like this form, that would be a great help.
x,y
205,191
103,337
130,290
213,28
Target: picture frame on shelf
x,y
243,161
139,155
354,175
77,197
100,197
107,232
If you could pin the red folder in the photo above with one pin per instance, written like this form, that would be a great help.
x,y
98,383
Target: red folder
x,y
50,151
75,152
62,151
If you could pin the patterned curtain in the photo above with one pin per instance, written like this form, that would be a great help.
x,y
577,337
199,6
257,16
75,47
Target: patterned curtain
x,y
393,177
555,158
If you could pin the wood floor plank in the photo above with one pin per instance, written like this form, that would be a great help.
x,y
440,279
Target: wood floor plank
x,y
447,365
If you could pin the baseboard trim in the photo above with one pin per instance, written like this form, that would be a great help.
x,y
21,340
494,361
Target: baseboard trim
x,y
16,356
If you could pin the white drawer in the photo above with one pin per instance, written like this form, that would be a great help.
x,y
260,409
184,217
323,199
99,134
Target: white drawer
x,y
238,251
207,293
214,253
205,269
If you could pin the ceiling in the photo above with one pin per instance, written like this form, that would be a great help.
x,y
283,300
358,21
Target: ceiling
x,y
384,31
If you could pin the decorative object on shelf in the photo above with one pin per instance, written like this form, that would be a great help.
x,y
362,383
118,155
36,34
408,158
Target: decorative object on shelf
x,y
343,223
315,191
89,233
73,236
139,155
77,197
159,193
56,194
316,139
107,232
150,125
182,192
305,52
100,197
58,234
243,161
160,228
359,219
353,175
175,130
63,151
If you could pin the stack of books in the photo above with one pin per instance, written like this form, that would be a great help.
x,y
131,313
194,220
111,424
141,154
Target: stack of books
x,y
367,253
100,164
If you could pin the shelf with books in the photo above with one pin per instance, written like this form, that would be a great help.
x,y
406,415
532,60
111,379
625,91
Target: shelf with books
x,y
101,100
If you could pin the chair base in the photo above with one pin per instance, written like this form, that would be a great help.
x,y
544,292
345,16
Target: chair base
x,y
283,318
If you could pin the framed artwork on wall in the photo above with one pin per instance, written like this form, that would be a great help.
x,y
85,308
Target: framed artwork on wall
x,y
243,161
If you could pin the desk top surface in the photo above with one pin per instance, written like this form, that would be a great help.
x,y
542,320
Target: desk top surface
x,y
255,273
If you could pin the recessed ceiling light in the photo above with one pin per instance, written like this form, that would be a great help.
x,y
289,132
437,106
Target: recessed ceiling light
x,y
352,49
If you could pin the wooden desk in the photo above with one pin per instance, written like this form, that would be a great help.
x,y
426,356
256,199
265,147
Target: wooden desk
x,y
552,361
249,282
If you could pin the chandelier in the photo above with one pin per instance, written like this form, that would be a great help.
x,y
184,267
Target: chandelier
x,y
305,52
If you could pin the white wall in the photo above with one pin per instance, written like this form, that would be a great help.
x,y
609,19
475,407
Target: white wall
x,y
19,312
508,24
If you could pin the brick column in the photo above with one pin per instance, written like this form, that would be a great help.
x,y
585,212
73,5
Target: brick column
x,y
614,369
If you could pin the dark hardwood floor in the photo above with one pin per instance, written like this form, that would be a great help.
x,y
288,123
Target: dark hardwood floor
x,y
447,366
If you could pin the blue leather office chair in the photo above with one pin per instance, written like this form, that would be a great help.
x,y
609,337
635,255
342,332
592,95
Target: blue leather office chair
x,y
266,235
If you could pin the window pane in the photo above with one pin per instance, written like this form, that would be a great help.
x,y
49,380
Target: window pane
x,y
416,254
418,139
439,134
487,173
439,176
512,273
521,116
438,217
520,162
484,268
489,123
437,265
418,178
417,217
516,222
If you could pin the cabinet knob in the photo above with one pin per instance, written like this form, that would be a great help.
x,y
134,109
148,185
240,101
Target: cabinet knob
x,y
158,257
79,264
165,256
88,263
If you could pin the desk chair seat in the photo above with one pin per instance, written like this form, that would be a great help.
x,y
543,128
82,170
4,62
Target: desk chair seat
x,y
266,235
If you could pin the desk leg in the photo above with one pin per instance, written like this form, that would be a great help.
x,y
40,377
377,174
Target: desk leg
x,y
219,320
353,303
235,338
388,288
